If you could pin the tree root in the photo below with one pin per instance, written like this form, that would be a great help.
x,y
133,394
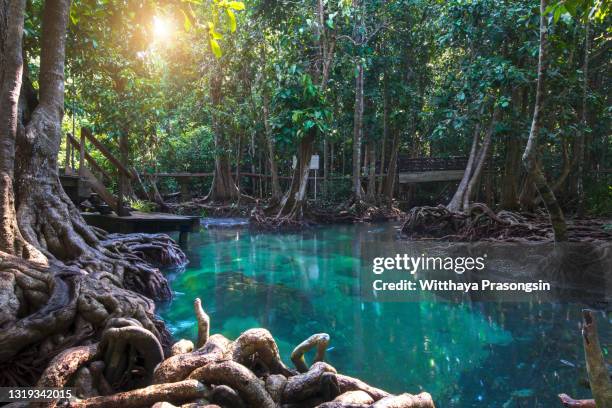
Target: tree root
x,y
479,222
320,341
247,372
203,323
55,306
569,402
237,376
178,392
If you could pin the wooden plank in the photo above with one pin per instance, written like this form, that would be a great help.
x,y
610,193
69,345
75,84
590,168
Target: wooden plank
x,y
429,176
89,158
99,188
106,153
143,222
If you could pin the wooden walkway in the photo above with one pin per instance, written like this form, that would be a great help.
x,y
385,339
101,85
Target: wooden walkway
x,y
429,169
144,222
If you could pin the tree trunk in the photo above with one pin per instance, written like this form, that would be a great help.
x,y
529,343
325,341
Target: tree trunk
x,y
482,158
11,71
512,172
46,216
358,133
580,143
223,188
371,197
385,135
456,203
530,155
392,170
293,203
276,191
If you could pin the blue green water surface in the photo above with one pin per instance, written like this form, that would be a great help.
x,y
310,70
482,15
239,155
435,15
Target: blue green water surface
x,y
465,355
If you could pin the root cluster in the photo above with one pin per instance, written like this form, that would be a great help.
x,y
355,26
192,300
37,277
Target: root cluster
x,y
125,370
49,308
482,223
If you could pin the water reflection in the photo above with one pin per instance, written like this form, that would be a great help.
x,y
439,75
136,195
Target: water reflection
x,y
466,355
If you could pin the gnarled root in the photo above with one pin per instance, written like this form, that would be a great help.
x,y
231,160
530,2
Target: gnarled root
x,y
178,367
599,376
130,349
258,343
422,400
238,377
320,341
226,397
203,323
308,384
177,392
182,347
569,402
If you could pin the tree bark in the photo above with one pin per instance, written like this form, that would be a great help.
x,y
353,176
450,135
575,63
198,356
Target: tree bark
x,y
482,158
390,179
11,71
357,133
530,161
276,191
456,203
580,143
371,197
223,188
512,172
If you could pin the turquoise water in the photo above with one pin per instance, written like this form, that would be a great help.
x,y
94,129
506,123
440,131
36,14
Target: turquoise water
x,y
465,355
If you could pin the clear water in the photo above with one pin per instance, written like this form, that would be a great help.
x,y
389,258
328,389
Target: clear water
x,y
465,355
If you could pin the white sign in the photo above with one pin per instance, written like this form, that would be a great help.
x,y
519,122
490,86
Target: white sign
x,y
314,162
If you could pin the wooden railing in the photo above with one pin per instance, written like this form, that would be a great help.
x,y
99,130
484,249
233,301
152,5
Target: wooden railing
x,y
122,171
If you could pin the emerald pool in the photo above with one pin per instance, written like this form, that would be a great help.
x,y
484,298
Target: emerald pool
x,y
468,354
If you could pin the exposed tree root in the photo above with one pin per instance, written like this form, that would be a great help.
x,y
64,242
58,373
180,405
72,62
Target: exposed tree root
x,y
348,213
569,402
48,308
597,368
247,372
320,341
482,223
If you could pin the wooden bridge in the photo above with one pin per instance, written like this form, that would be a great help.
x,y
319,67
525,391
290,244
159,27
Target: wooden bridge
x,y
87,182
429,169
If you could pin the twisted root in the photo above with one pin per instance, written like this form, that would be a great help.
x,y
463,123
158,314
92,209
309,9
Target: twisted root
x,y
320,341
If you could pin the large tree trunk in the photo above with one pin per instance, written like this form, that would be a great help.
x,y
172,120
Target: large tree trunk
x,y
479,165
276,191
223,188
294,201
530,155
11,71
456,203
85,277
580,142
512,173
46,216
357,133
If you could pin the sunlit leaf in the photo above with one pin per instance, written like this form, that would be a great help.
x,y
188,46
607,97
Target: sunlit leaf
x,y
232,19
236,5
187,21
214,46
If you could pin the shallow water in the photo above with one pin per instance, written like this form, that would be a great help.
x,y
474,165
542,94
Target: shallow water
x,y
466,355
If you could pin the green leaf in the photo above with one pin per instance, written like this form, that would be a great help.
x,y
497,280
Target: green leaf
x,y
232,19
214,46
236,5
187,21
